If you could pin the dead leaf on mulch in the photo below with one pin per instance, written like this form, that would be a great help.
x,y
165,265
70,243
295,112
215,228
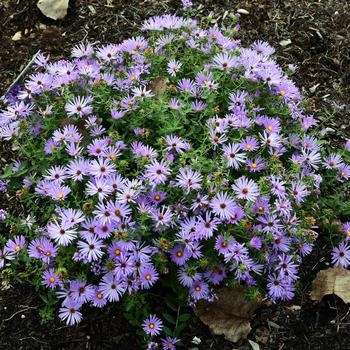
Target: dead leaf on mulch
x,y
55,9
158,85
331,281
229,315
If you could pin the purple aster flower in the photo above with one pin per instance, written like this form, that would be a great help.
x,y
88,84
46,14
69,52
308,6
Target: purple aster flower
x,y
263,48
175,104
256,165
112,287
246,189
99,186
232,155
58,192
206,226
98,299
50,279
186,85
101,168
238,100
152,325
187,275
79,105
173,67
249,144
216,274
3,214
56,174
189,179
70,313
333,161
148,277
276,287
223,205
346,228
162,217
169,343
62,233
179,255
225,61
80,291
199,290
344,172
157,172
14,246
198,106
341,255
256,243
299,191
92,249
347,145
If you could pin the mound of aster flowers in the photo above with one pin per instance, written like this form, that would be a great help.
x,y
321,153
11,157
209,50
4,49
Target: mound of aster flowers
x,y
176,153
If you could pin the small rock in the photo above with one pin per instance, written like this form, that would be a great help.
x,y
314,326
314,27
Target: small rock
x,y
23,316
17,36
196,341
42,26
55,9
285,42
243,12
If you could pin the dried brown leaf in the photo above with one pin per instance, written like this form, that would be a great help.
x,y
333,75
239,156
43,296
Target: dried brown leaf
x,y
158,85
229,315
331,281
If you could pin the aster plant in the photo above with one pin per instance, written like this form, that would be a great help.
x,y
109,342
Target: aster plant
x,y
177,154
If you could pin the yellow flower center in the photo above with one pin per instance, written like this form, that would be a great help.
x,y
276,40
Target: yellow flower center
x,y
179,254
60,196
269,127
261,208
133,52
254,165
197,288
157,197
52,279
99,295
151,325
282,92
48,253
148,277
348,233
248,146
342,173
132,77
17,248
117,252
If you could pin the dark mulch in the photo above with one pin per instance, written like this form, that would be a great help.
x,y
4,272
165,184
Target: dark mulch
x,y
318,31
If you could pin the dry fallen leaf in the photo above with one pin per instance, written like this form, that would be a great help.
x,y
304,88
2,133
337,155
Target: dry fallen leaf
x,y
55,9
158,85
229,315
331,281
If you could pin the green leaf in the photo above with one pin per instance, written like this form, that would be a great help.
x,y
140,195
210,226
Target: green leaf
x,y
169,318
168,331
184,317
